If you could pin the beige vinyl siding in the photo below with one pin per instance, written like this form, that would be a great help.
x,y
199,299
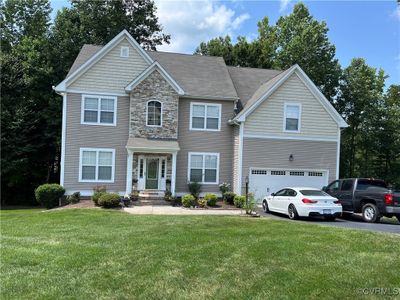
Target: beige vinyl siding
x,y
274,153
112,73
95,136
204,141
267,119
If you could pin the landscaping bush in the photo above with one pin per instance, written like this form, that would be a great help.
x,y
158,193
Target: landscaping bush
x,y
167,195
109,200
224,187
49,195
211,199
239,201
188,200
74,198
250,205
96,196
229,197
194,189
202,203
134,196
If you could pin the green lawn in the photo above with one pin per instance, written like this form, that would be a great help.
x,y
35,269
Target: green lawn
x,y
91,254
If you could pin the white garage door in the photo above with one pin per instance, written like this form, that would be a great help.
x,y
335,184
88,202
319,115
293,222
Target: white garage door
x,y
263,182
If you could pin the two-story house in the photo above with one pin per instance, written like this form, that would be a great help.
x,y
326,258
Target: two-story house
x,y
151,121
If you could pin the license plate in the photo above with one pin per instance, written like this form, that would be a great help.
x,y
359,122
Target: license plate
x,y
327,211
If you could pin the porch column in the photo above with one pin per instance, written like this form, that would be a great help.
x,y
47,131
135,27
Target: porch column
x,y
173,173
129,165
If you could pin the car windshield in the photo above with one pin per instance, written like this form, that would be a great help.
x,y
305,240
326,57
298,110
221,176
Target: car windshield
x,y
364,184
313,193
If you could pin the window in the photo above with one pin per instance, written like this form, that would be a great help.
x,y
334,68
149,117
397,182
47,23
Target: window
x,y
99,110
97,165
313,193
141,167
281,193
259,172
205,116
292,117
154,113
315,174
124,52
347,185
278,173
163,168
203,167
333,187
291,193
296,173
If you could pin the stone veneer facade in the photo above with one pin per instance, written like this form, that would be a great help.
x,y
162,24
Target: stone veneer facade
x,y
154,87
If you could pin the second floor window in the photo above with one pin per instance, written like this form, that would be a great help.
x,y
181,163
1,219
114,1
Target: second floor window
x,y
205,116
99,110
154,113
292,117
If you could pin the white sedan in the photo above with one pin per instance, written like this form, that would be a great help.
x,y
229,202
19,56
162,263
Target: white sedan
x,y
303,202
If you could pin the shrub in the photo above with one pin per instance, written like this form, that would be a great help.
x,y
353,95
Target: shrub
x,y
49,194
134,196
229,197
188,200
100,188
224,187
167,195
194,189
96,196
202,202
74,198
250,205
239,201
211,199
109,200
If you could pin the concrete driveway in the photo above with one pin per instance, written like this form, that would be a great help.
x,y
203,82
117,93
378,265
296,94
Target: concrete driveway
x,y
354,221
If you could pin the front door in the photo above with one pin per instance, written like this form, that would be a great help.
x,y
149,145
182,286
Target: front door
x,y
152,173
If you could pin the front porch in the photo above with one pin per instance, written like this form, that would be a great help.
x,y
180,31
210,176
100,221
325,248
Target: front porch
x,y
151,166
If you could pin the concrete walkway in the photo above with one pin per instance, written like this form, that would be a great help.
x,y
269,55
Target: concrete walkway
x,y
171,210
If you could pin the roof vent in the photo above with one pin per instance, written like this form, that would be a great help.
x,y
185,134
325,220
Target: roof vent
x,y
124,52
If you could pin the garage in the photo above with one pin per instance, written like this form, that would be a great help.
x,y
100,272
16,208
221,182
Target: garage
x,y
263,182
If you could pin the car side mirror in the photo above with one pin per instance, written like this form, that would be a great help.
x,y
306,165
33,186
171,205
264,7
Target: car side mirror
x,y
273,194
324,188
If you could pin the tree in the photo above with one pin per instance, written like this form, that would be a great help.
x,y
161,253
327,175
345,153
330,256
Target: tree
x,y
295,39
28,142
360,102
303,40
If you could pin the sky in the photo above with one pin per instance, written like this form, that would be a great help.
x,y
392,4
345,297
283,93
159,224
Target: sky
x,y
367,29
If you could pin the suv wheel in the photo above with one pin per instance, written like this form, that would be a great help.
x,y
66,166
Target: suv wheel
x,y
370,213
265,206
292,212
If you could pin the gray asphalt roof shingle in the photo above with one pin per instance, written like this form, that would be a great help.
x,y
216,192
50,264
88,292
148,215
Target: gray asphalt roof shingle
x,y
203,76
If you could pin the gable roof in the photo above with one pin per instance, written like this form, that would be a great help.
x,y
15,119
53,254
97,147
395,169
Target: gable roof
x,y
198,75
248,80
154,66
267,89
61,87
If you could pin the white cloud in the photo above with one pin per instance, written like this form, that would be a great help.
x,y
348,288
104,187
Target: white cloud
x,y
283,5
192,21
396,12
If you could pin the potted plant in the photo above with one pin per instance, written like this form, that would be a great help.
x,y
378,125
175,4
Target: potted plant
x,y
134,196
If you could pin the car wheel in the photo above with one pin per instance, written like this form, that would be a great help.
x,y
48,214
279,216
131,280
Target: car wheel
x,y
292,212
370,213
330,218
265,206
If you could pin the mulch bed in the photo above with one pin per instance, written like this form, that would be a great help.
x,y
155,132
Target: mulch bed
x,y
81,204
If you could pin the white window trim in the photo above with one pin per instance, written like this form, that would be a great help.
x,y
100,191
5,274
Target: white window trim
x,y
203,167
98,109
123,48
97,166
147,113
205,120
284,117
